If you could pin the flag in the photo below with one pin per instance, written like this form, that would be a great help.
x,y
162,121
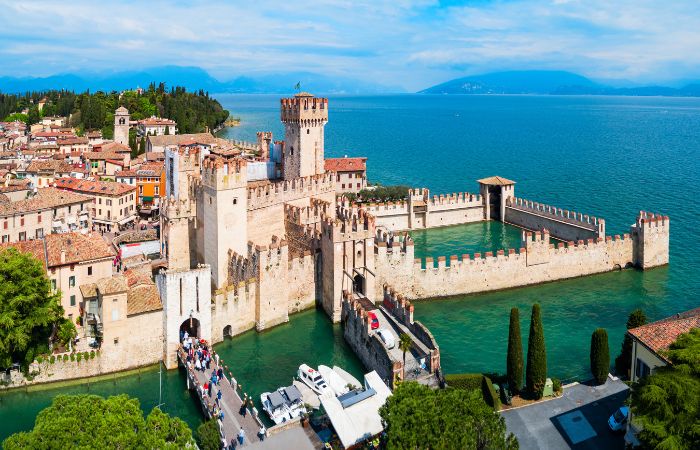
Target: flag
x,y
298,86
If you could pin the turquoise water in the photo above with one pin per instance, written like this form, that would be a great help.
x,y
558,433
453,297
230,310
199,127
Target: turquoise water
x,y
602,155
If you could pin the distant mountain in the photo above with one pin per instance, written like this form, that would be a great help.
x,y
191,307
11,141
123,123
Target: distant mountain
x,y
549,82
193,78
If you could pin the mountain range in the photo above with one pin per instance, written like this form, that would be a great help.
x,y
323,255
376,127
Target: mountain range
x,y
551,82
193,78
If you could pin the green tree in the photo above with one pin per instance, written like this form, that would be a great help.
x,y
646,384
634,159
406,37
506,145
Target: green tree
x,y
405,344
600,355
66,332
536,371
167,130
208,437
667,402
17,116
90,421
142,146
34,115
28,308
514,362
417,417
623,362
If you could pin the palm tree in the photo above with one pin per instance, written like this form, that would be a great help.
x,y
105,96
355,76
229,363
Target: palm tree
x,y
405,344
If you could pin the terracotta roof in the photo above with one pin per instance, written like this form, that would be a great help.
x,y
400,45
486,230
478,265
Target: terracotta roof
x,y
156,121
345,164
496,181
121,110
13,188
78,247
91,187
125,173
35,247
88,290
45,198
96,156
112,285
116,147
178,139
658,336
143,299
49,165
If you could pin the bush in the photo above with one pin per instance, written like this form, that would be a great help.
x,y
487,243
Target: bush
x,y
80,357
489,393
52,359
600,355
86,356
208,436
536,371
468,381
556,384
65,357
72,356
39,359
92,354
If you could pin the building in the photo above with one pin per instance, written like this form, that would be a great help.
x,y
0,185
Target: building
x,y
156,126
121,126
43,173
49,211
149,179
159,144
651,340
351,173
114,204
70,260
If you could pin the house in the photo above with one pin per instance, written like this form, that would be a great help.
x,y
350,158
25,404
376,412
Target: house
x,y
114,204
149,178
106,163
351,173
156,126
161,143
43,173
70,260
49,211
651,340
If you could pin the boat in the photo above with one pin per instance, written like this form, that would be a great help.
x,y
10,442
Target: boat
x,y
309,397
349,379
313,379
335,381
293,400
275,406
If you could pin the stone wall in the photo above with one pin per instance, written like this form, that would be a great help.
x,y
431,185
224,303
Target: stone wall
x,y
301,282
233,310
561,224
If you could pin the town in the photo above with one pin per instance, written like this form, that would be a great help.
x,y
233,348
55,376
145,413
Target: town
x,y
160,244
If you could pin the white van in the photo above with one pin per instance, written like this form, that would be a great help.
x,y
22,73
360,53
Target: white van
x,y
386,337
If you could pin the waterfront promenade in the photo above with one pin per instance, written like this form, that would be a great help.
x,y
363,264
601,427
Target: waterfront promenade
x,y
230,403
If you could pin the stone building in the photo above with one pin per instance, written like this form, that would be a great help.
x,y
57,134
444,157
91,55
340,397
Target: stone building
x,y
121,125
114,204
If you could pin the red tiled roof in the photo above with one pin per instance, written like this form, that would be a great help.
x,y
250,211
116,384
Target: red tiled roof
x,y
345,164
658,336
34,247
78,248
45,198
94,187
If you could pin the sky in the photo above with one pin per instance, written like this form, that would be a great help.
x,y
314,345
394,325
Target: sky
x,y
408,43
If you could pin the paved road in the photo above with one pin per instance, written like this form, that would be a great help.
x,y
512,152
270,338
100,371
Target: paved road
x,y
577,420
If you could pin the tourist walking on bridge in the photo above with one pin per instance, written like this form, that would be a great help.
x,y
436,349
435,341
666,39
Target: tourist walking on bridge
x,y
241,436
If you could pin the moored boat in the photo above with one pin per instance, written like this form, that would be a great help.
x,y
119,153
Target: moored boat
x,y
313,379
335,381
275,405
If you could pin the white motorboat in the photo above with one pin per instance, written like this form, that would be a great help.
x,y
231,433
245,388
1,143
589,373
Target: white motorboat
x,y
293,400
334,380
313,379
349,379
275,406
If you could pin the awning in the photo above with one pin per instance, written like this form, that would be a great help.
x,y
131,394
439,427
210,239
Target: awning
x,y
146,198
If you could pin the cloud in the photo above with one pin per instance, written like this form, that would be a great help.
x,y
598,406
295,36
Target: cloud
x,y
413,43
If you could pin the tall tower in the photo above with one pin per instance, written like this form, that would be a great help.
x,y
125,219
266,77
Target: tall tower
x,y
304,117
224,202
121,125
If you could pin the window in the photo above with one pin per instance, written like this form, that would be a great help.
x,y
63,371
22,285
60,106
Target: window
x,y
39,233
358,185
108,202
38,217
116,341
307,131
141,190
71,281
99,200
5,238
23,236
21,221
641,369
235,200
343,185
72,300
53,285
4,225
89,270
115,313
157,191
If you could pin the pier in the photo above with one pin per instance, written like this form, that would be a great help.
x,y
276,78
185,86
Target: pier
x,y
231,402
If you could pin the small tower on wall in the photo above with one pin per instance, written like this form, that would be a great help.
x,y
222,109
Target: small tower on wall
x,y
121,125
304,117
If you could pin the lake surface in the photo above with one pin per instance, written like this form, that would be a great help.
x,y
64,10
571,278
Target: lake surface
x,y
607,156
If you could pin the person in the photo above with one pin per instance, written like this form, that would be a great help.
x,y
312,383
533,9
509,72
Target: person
x,y
216,358
220,373
218,394
197,365
209,390
241,436
186,334
221,414
261,432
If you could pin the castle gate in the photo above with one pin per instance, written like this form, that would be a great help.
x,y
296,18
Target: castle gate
x,y
191,326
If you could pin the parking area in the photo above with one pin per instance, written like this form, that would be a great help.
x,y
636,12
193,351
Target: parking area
x,y
577,420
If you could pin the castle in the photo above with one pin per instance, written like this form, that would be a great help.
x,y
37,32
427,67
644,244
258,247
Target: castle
x,y
251,239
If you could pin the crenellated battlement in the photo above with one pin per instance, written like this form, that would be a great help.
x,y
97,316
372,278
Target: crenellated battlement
x,y
648,220
221,173
652,234
587,222
456,199
304,107
287,190
181,208
348,225
308,214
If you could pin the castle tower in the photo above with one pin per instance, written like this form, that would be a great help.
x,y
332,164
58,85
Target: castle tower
x,y
650,235
121,125
224,202
271,302
264,142
304,117
347,246
495,193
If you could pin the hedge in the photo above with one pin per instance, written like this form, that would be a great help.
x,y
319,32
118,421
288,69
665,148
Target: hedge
x,y
489,393
464,380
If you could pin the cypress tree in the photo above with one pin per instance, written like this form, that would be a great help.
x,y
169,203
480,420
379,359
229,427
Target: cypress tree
x,y
623,362
600,355
514,363
536,372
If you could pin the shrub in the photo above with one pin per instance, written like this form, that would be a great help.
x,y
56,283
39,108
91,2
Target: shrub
x,y
208,436
86,356
39,359
468,381
600,355
80,357
72,356
65,357
92,354
489,393
536,371
556,384
52,359
514,362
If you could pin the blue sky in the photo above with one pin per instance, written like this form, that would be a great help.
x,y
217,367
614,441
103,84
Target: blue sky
x,y
407,43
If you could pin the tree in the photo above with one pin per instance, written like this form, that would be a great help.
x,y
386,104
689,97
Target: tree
x,y
90,421
667,402
28,308
600,355
208,437
536,371
167,130
623,362
142,146
514,362
416,416
66,332
34,115
17,117
405,344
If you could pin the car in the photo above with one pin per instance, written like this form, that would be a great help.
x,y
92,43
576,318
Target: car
x,y
386,337
617,421
374,322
